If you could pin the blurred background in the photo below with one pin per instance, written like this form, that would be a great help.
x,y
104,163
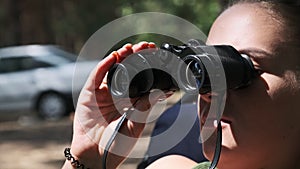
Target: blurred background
x,y
39,44
69,23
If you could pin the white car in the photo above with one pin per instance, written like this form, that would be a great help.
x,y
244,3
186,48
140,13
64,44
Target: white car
x,y
38,78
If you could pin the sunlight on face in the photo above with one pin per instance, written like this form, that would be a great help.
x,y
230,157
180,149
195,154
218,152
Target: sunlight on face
x,y
262,119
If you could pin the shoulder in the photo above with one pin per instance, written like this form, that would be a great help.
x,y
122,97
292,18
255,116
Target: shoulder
x,y
174,162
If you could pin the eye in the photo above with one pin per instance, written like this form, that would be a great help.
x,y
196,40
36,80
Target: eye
x,y
260,59
256,66
259,71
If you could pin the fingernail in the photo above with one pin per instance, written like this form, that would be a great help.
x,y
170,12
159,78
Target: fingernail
x,y
116,56
128,46
151,45
144,44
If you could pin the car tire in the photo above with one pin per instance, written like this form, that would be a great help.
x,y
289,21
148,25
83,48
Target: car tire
x,y
52,106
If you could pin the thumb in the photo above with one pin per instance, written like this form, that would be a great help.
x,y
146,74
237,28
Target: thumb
x,y
144,105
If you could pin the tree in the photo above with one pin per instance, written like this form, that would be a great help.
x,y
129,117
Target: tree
x,y
69,23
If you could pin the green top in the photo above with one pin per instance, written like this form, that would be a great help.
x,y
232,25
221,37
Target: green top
x,y
203,165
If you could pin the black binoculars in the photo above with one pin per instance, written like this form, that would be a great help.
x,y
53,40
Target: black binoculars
x,y
191,67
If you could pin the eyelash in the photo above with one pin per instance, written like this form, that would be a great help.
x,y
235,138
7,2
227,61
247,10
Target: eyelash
x,y
258,70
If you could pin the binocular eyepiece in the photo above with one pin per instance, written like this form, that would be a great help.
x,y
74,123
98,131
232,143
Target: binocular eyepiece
x,y
191,67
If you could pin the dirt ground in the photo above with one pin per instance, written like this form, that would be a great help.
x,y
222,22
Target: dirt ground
x,y
38,144
27,142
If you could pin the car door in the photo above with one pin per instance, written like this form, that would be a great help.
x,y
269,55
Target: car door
x,y
17,86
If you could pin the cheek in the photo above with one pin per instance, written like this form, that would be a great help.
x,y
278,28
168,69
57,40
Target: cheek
x,y
285,96
265,110
276,87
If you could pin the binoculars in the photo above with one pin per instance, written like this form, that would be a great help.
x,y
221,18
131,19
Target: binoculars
x,y
191,67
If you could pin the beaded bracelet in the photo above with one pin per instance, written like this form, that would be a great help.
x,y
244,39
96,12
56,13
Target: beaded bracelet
x,y
74,162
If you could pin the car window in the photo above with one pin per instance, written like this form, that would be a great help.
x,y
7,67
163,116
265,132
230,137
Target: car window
x,y
15,64
64,54
54,59
28,63
9,65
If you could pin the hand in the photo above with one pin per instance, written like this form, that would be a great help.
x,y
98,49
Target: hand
x,y
96,111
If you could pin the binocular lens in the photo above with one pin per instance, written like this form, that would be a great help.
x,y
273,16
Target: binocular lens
x,y
121,81
191,74
194,73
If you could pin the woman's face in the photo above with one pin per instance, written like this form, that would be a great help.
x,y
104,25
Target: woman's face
x,y
260,123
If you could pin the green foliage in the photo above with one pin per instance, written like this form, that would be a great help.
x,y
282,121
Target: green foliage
x,y
199,12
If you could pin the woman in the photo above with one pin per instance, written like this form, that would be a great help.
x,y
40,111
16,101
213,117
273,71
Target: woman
x,y
260,123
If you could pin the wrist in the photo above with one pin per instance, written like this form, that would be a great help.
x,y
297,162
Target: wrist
x,y
73,161
89,156
68,165
83,161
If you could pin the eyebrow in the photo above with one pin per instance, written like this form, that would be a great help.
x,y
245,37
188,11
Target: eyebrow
x,y
256,53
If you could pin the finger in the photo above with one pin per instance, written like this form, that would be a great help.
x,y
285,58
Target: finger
x,y
145,103
140,46
123,52
97,75
151,45
141,110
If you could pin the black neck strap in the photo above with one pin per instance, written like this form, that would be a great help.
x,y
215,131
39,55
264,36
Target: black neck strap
x,y
218,148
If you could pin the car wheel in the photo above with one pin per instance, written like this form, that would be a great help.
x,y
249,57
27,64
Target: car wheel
x,y
52,106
